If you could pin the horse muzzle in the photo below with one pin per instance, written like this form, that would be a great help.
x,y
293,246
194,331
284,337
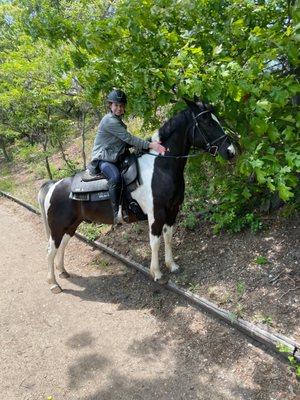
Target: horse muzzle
x,y
231,152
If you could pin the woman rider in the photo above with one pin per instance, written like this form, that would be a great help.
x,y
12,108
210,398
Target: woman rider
x,y
111,141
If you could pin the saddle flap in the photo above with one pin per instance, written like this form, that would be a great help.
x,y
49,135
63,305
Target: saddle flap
x,y
80,186
131,172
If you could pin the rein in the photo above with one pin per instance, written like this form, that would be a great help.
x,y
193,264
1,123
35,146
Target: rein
x,y
175,157
211,147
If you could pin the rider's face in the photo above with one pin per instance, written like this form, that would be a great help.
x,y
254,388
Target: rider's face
x,y
117,108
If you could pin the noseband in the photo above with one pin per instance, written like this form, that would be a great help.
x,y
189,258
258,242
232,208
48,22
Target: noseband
x,y
211,147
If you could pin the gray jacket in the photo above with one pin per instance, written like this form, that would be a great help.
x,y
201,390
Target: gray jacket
x,y
111,139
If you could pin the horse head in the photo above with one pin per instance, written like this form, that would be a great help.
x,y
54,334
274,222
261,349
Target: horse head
x,y
206,131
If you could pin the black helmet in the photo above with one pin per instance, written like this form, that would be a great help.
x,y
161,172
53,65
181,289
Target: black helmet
x,y
117,96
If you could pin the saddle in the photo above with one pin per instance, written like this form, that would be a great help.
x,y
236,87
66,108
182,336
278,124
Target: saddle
x,y
96,188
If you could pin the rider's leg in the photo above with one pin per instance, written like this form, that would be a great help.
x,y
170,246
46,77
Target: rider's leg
x,y
113,175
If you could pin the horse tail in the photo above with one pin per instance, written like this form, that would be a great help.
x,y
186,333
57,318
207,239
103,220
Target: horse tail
x,y
41,199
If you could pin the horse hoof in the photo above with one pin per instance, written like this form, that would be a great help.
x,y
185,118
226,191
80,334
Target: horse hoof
x,y
178,270
163,280
56,289
173,267
64,275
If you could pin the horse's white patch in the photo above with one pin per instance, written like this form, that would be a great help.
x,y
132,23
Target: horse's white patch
x,y
143,194
154,266
231,148
61,252
48,197
215,118
52,250
168,234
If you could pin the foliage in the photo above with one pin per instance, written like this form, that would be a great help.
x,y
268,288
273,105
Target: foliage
x,y
67,170
189,221
240,55
90,230
295,364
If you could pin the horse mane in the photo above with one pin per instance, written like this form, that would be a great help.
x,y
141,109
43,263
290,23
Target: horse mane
x,y
171,125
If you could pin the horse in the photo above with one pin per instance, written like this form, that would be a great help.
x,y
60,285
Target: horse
x,y
159,194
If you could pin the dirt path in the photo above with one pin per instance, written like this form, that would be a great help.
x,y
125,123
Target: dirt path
x,y
112,334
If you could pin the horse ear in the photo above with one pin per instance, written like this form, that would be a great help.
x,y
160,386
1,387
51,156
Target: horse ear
x,y
210,107
190,103
199,102
194,105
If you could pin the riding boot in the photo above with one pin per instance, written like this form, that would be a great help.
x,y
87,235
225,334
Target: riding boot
x,y
115,194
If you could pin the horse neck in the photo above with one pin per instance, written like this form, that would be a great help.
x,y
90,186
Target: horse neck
x,y
178,143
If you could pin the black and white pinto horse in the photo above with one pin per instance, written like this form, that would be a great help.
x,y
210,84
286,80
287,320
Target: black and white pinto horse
x,y
160,193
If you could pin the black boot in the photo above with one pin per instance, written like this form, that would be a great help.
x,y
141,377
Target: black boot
x,y
115,195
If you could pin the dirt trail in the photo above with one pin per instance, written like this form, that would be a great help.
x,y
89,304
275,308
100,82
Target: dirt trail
x,y
112,334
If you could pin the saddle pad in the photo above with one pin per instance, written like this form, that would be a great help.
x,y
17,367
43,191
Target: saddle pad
x,y
79,186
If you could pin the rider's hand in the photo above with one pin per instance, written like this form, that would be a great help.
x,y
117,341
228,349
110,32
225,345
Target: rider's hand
x,y
157,147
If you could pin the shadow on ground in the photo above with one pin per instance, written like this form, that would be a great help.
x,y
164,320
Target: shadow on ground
x,y
203,353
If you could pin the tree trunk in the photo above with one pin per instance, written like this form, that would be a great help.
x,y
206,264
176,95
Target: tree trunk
x,y
48,167
46,159
83,115
63,154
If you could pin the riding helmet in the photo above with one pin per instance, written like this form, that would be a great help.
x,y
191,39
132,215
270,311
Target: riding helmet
x,y
117,96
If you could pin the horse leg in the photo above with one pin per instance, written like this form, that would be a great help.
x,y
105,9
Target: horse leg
x,y
52,250
170,263
155,228
61,256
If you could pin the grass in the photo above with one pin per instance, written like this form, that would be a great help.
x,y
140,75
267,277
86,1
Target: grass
x,y
263,319
100,263
240,289
239,310
261,260
193,287
7,184
92,231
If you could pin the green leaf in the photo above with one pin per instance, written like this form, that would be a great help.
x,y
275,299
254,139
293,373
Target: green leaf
x,y
217,50
246,193
263,106
260,175
273,133
285,192
259,126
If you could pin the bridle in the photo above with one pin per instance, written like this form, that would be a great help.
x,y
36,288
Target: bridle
x,y
211,147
